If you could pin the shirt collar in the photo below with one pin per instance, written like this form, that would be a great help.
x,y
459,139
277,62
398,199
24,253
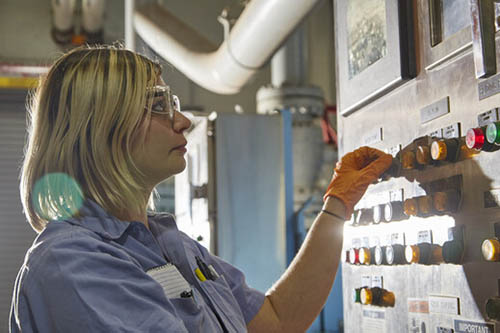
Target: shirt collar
x,y
96,219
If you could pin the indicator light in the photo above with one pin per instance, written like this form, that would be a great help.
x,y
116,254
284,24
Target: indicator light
x,y
364,216
394,211
445,150
423,155
379,255
345,256
408,160
378,212
410,207
420,253
366,296
412,254
453,252
365,256
446,201
493,133
493,308
356,295
475,138
354,256
424,204
436,254
377,296
491,249
395,254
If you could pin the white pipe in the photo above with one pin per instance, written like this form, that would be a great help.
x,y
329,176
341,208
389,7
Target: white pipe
x,y
129,25
93,15
63,14
260,30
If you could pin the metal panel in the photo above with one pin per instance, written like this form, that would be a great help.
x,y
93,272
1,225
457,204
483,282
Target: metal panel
x,y
399,116
252,199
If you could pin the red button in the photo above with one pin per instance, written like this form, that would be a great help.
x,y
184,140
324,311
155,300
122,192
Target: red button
x,y
475,138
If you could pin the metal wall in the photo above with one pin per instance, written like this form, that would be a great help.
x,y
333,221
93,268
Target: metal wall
x,y
440,297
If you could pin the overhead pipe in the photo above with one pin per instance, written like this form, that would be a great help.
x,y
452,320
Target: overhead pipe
x,y
260,30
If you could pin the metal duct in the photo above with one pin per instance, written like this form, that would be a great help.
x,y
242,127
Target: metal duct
x,y
260,30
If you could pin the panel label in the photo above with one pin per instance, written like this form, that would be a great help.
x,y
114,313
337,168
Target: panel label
x,y
437,133
487,117
463,326
377,281
372,137
396,195
424,236
373,321
444,304
435,110
452,131
366,242
418,305
366,281
397,238
489,87
394,150
356,243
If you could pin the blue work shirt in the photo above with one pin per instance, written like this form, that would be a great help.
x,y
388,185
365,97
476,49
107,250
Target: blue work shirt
x,y
89,275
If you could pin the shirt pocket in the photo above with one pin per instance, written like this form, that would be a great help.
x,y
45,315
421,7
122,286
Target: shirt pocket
x,y
190,311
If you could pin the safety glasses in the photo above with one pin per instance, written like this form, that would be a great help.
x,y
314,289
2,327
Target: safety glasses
x,y
164,102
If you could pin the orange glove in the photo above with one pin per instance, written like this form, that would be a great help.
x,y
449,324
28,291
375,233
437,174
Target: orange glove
x,y
354,173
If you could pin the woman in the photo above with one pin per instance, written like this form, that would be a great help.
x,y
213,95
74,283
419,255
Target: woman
x,y
104,131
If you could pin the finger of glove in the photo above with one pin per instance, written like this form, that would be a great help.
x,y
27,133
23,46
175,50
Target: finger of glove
x,y
360,158
378,166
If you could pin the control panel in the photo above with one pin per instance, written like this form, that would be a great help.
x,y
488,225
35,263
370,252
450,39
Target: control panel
x,y
421,251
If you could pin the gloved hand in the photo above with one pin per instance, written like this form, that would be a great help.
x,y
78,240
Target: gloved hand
x,y
354,173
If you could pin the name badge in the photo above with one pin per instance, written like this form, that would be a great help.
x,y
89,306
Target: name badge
x,y
171,280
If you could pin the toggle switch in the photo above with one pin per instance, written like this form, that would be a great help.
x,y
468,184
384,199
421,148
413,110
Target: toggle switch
x,y
445,150
395,254
377,296
394,211
491,249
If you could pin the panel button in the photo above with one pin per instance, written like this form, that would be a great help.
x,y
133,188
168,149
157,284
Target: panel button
x,y
394,211
453,252
379,255
493,133
447,201
395,254
491,249
493,308
377,296
423,155
445,150
365,256
354,256
408,160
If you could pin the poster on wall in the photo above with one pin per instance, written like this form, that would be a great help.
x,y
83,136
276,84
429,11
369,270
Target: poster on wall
x,y
375,49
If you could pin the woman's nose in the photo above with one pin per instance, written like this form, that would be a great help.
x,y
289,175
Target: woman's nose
x,y
181,122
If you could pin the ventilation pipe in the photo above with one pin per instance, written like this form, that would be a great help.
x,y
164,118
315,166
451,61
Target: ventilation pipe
x,y
260,30
93,20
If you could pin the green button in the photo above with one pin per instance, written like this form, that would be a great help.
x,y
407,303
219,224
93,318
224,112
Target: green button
x,y
493,133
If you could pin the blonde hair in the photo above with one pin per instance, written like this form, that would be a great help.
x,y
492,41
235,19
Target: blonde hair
x,y
83,117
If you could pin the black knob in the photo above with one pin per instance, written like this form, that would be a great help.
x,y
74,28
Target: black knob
x,y
364,216
394,211
395,254
453,252
493,308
